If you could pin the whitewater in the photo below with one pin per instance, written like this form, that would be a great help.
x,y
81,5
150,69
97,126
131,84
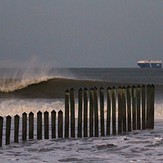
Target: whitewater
x,y
45,92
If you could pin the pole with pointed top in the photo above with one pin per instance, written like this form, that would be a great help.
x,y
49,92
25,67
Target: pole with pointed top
x,y
80,112
95,112
39,125
60,124
8,129
31,125
46,125
102,111
53,123
72,106
16,128
24,126
114,111
1,130
85,112
108,111
67,93
129,107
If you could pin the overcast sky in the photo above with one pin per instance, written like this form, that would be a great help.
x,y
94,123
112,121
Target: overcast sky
x,y
80,33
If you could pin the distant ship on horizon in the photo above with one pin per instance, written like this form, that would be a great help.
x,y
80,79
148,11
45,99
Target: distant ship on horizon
x,y
150,63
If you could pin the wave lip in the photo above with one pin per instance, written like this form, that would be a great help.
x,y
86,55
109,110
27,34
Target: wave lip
x,y
11,85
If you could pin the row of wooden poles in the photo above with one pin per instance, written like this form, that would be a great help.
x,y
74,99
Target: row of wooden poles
x,y
128,108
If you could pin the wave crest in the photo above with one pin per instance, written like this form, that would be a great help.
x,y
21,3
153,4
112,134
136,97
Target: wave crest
x,y
10,85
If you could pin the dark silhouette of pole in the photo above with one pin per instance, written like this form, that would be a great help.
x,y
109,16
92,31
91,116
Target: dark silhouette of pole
x,y
114,111
129,108
102,111
31,125
72,106
108,111
53,123
96,112
85,112
67,114
16,128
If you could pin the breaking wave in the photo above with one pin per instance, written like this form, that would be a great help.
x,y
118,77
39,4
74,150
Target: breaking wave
x,y
11,85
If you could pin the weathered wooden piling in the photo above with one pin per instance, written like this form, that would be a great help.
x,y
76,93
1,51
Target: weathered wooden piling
x,y
102,111
96,113
134,107
120,122
31,125
124,108
91,94
24,126
8,129
108,111
16,128
46,125
85,112
138,108
39,125
129,108
67,93
80,99
60,124
1,130
150,106
143,107
114,111
53,124
72,106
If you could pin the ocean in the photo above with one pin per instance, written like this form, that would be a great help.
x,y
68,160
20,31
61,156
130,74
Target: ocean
x,y
33,89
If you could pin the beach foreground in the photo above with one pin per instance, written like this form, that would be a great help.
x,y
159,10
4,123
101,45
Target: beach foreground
x,y
138,146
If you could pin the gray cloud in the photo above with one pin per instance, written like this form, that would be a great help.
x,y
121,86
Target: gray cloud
x,y
81,33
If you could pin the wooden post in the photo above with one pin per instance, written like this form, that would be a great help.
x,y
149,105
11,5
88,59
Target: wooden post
x,y
102,111
53,123
108,110
39,125
16,128
8,129
148,107
1,130
67,114
152,105
120,110
138,108
134,107
113,111
91,112
80,113
24,126
95,112
143,107
124,108
85,112
72,106
46,125
129,107
31,125
60,124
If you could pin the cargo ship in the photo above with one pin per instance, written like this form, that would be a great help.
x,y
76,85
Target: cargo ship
x,y
150,63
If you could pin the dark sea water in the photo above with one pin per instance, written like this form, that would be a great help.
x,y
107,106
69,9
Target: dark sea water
x,y
28,90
